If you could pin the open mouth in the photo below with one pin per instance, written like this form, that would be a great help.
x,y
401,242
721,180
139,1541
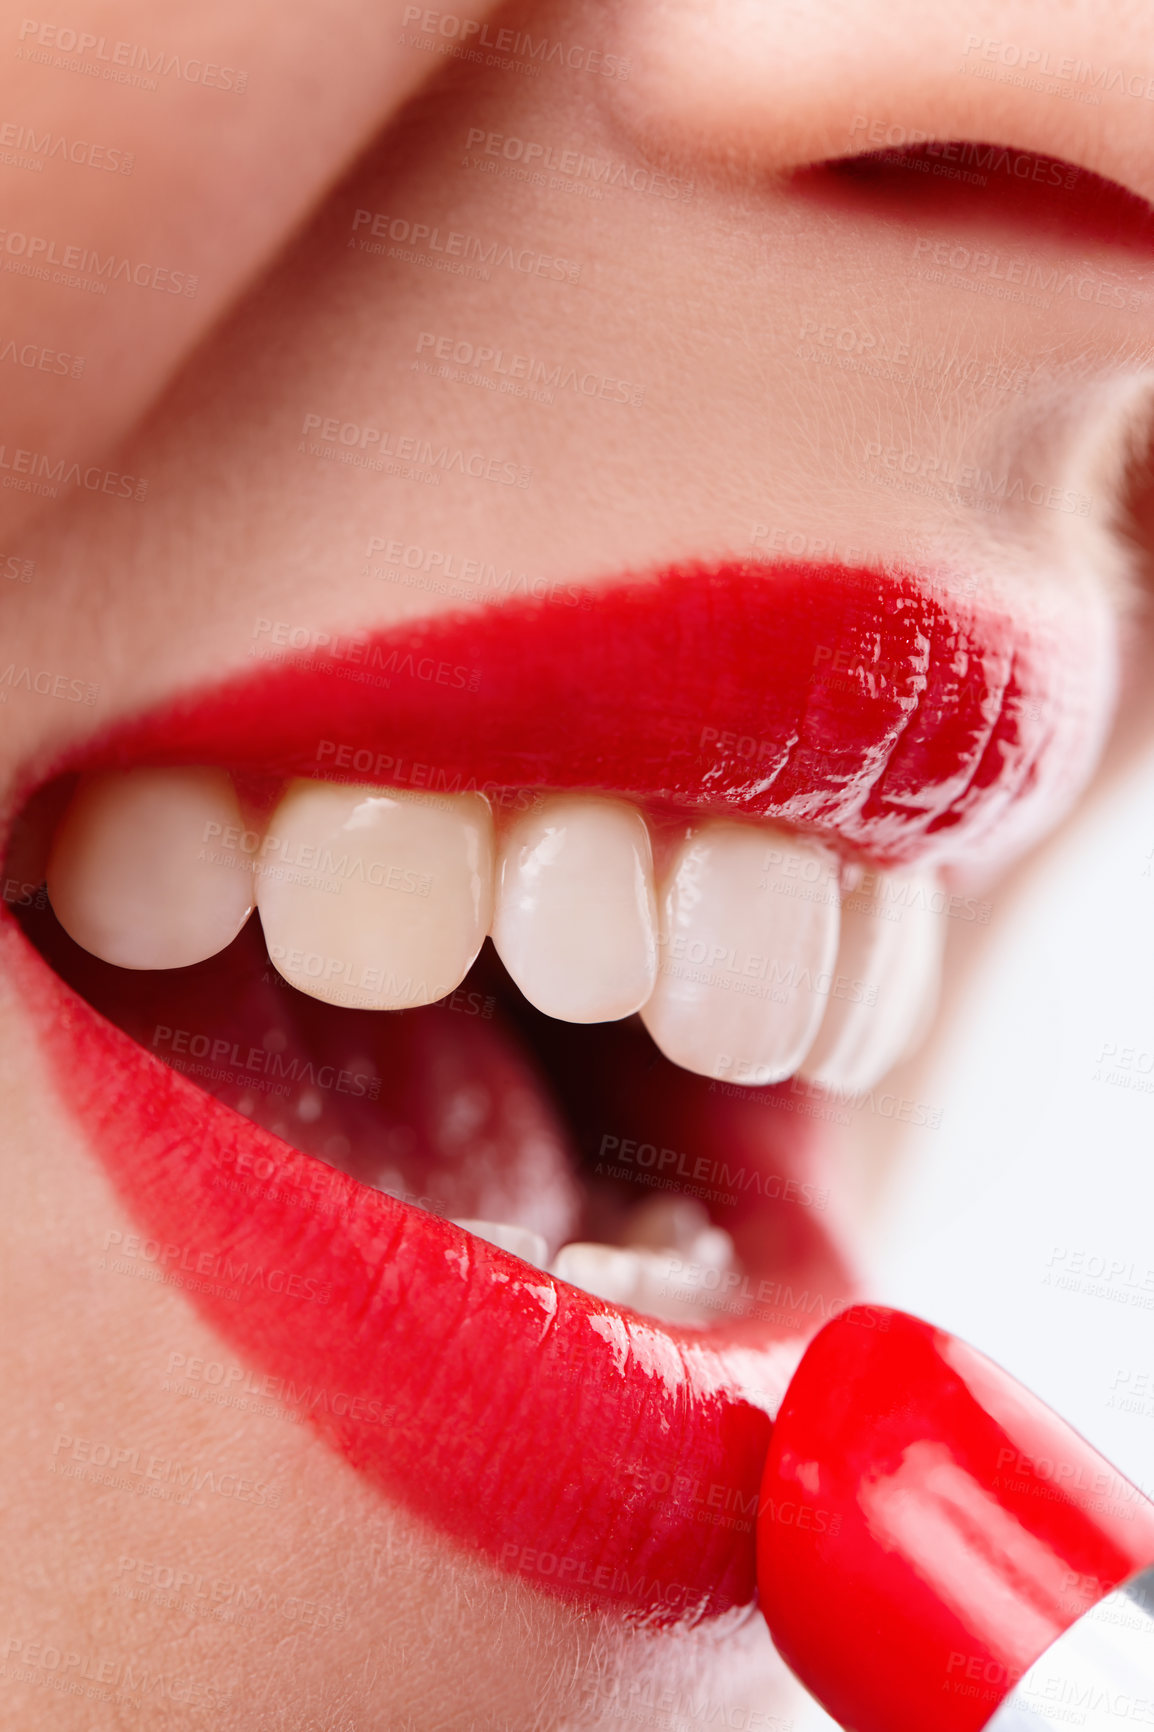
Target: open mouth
x,y
534,1229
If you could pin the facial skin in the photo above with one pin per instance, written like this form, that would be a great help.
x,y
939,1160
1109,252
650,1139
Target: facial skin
x,y
799,367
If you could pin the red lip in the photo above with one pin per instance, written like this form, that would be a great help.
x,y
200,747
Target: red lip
x,y
629,1470
908,720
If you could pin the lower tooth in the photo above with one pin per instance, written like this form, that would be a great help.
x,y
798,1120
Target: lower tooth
x,y
519,1241
891,941
749,933
667,1284
372,899
139,874
666,1224
680,1226
603,1270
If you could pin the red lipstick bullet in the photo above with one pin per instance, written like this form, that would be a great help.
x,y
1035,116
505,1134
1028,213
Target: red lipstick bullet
x,y
939,1552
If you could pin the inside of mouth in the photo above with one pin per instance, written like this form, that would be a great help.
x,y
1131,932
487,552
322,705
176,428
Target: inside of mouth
x,y
480,1109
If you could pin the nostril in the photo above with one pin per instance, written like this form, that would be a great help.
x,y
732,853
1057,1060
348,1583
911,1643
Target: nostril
x,y
961,182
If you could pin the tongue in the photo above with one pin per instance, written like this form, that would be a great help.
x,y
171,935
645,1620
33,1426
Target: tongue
x,y
440,1106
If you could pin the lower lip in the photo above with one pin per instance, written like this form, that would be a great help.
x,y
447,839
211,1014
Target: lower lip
x,y
417,1342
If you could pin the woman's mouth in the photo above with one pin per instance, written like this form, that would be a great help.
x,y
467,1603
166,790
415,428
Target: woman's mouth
x,y
535,1242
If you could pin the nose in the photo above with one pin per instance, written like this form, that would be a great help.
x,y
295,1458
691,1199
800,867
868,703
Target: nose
x,y
780,85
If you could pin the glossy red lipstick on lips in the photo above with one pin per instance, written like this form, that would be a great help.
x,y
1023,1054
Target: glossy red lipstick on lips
x,y
880,707
938,1550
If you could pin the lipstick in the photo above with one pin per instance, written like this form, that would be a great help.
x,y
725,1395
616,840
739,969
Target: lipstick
x,y
937,1549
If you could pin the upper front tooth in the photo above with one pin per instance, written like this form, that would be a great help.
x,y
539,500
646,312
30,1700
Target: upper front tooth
x,y
141,873
523,1242
749,934
372,898
576,917
888,964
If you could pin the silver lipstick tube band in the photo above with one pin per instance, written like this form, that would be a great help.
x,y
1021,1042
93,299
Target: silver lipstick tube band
x,y
1098,1676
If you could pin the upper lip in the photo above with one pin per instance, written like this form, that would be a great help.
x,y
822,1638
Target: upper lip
x,y
902,714
877,708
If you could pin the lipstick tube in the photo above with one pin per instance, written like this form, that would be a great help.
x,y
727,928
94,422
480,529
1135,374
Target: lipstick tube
x,y
1099,1675
939,1552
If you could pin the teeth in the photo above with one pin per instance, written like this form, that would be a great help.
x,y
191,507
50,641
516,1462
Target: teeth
x,y
622,1277
749,934
576,916
672,1284
680,1225
142,873
374,899
520,1241
753,969
888,964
